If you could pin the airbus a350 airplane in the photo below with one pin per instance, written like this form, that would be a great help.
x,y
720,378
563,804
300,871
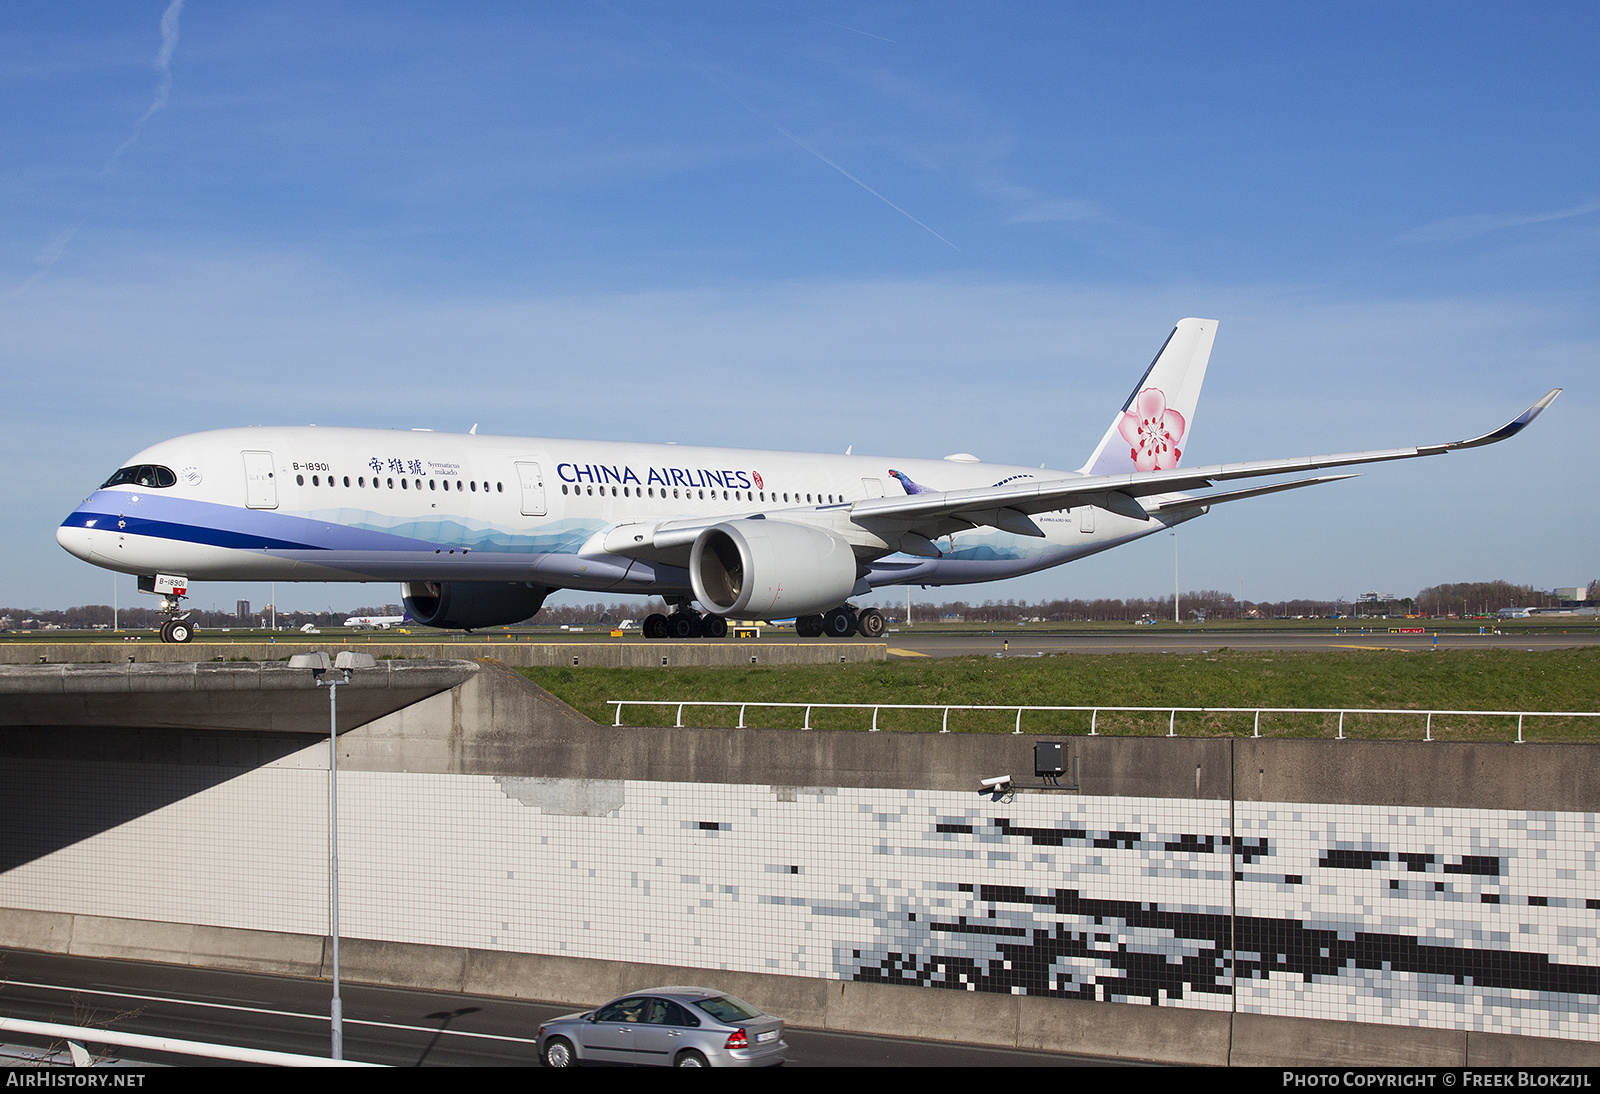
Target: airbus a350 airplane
x,y
481,529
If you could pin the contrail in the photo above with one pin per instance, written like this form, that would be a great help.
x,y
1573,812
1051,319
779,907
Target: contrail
x,y
169,42
843,172
736,97
830,23
48,256
52,251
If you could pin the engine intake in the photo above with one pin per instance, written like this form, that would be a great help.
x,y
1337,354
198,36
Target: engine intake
x,y
471,605
770,569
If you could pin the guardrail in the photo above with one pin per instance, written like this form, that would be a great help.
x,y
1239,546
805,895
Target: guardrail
x,y
1094,712
77,1036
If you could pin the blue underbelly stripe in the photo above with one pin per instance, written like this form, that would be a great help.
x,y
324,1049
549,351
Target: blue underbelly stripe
x,y
188,533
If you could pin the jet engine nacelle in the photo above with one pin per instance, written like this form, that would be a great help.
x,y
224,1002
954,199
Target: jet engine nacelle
x,y
770,569
470,605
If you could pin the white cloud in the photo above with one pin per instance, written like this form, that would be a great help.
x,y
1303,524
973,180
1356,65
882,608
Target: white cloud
x,y
1457,229
1075,212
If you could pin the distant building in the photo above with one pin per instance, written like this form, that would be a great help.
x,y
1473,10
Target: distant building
x,y
1580,592
244,610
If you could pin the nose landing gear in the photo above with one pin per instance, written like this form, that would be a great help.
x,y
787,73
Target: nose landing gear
x,y
171,589
177,630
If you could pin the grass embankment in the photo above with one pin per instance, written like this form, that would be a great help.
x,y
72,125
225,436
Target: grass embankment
x,y
1462,680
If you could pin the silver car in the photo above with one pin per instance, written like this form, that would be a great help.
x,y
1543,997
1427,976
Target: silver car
x,y
666,1027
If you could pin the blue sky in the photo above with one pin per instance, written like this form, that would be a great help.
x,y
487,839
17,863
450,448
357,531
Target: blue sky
x,y
911,228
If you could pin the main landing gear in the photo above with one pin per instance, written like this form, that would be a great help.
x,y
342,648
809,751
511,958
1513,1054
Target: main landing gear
x,y
842,622
685,622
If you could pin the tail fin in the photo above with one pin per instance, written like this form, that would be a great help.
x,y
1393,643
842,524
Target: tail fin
x,y
1151,431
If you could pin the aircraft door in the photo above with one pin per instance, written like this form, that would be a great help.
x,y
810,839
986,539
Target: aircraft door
x,y
873,487
260,488
532,480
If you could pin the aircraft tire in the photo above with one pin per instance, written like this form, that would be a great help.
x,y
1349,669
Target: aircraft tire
x,y
655,626
179,631
714,626
684,625
166,631
871,624
839,623
808,626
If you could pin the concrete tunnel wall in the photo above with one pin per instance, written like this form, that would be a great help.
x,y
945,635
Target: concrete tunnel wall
x,y
922,907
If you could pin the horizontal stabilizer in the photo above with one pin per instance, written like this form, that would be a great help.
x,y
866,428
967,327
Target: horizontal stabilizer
x,y
1200,501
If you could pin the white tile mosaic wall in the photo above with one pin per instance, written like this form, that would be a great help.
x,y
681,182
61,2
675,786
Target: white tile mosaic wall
x,y
1468,919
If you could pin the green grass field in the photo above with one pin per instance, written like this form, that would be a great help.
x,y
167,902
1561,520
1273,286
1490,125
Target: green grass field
x,y
1464,680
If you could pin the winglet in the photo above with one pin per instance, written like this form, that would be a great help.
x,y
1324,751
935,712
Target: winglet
x,y
1511,428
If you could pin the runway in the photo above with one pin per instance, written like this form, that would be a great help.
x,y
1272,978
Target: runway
x,y
1021,642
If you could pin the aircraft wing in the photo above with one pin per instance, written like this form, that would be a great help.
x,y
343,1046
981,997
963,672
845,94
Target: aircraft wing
x,y
1009,507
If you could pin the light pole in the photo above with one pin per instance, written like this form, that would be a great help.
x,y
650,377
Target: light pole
x,y
1175,617
336,1012
318,664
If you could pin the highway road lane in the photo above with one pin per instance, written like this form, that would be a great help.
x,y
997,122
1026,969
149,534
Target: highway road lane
x,y
396,1026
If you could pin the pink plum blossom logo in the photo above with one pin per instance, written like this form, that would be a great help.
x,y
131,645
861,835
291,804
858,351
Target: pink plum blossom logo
x,y
1153,430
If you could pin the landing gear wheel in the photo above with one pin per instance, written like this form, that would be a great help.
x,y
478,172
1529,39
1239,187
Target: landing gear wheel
x,y
839,623
179,631
655,626
684,625
166,631
808,626
871,624
714,626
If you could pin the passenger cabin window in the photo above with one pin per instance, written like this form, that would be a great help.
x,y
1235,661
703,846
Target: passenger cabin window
x,y
148,475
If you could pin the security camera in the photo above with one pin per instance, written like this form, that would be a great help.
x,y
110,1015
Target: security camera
x,y
998,785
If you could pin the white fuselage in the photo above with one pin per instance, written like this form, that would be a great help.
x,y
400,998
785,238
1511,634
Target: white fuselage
x,y
332,504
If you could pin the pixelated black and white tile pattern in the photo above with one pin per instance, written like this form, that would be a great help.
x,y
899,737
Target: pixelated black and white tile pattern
x,y
1462,919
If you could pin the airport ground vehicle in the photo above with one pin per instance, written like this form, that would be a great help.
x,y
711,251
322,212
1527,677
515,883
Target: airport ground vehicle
x,y
666,1027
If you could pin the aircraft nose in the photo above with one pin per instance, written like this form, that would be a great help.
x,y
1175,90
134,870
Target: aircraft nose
x,y
76,541
78,534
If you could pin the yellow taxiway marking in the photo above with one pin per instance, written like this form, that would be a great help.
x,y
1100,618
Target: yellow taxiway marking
x,y
905,653
1397,649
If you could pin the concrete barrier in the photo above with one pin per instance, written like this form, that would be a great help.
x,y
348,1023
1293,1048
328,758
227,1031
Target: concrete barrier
x,y
242,696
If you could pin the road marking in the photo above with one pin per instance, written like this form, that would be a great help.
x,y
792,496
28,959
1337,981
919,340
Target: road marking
x,y
905,653
266,1010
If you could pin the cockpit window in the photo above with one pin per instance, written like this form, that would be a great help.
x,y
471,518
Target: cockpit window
x,y
149,475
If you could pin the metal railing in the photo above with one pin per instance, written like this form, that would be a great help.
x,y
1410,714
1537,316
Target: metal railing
x,y
1094,712
77,1036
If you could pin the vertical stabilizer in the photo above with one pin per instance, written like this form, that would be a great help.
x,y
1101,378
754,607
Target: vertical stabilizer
x,y
1151,431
